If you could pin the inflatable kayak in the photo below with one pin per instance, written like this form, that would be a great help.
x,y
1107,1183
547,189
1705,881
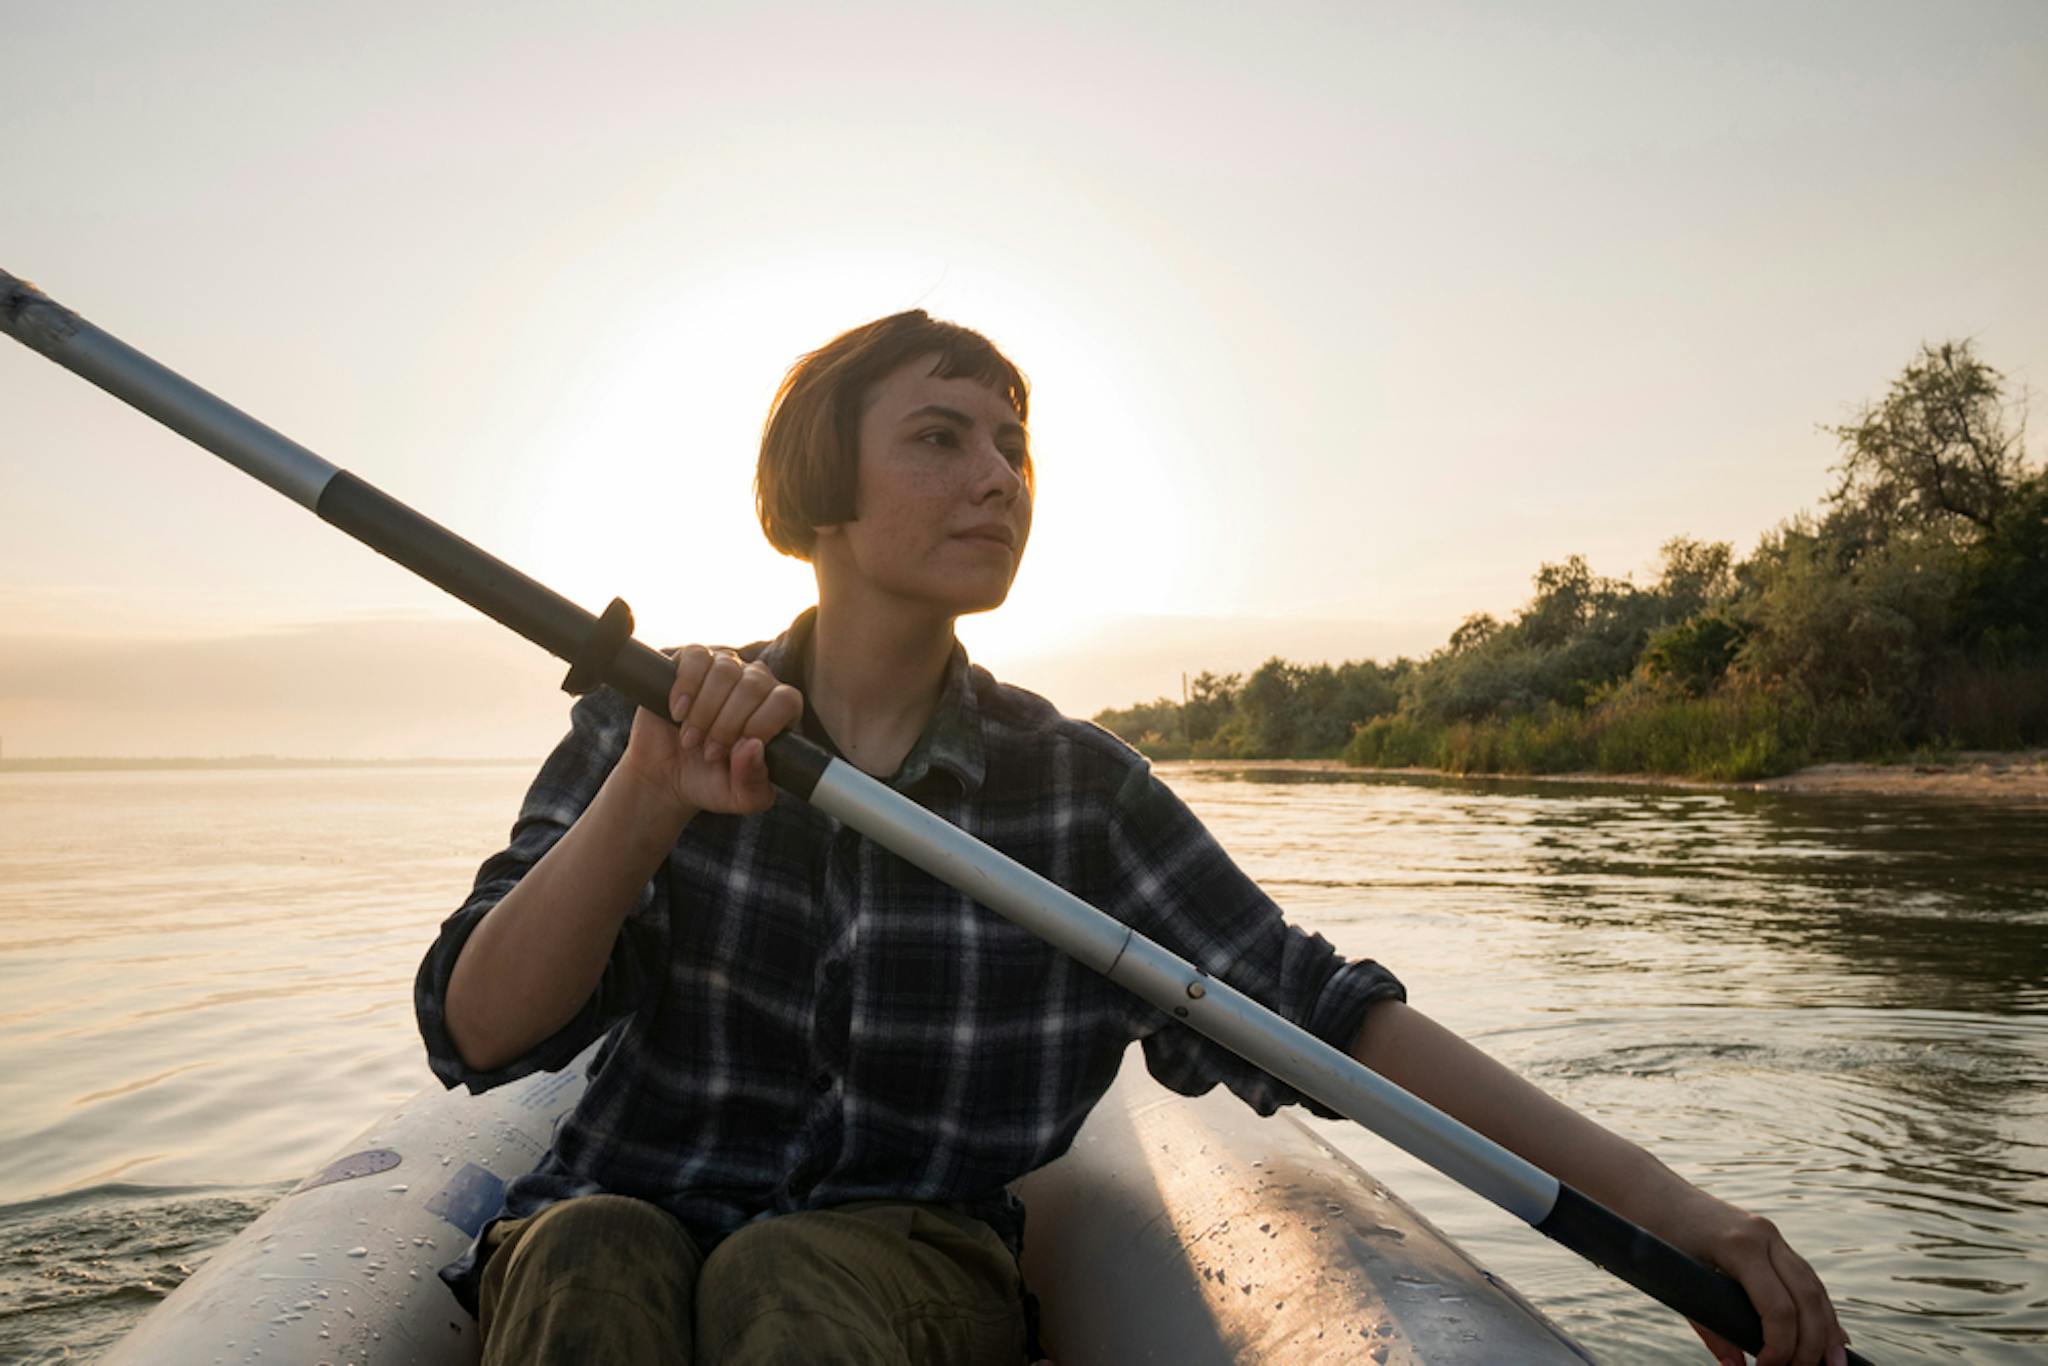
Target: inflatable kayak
x,y
1174,1230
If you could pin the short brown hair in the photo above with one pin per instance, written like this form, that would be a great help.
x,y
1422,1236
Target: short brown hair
x,y
810,446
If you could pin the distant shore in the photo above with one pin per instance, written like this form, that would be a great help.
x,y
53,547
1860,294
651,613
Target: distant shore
x,y
1977,775
91,764
1986,775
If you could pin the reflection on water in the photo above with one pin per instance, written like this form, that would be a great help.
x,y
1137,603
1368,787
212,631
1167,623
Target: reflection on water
x,y
1832,1010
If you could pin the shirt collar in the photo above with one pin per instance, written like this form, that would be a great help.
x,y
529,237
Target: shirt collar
x,y
952,739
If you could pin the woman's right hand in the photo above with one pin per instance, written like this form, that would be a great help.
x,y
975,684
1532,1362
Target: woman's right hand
x,y
713,757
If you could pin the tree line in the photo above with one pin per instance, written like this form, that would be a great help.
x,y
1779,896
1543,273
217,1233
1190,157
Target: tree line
x,y
1910,612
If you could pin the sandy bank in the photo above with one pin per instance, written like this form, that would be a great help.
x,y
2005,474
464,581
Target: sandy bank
x,y
1991,775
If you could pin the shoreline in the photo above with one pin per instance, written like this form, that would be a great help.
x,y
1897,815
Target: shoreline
x,y
1971,775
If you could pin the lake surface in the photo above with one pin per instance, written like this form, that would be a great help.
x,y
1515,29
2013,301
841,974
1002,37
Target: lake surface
x,y
1832,1011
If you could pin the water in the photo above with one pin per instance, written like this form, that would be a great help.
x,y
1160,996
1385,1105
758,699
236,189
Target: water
x,y
1833,1011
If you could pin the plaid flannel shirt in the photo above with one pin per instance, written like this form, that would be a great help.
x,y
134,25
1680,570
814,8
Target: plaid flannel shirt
x,y
801,1019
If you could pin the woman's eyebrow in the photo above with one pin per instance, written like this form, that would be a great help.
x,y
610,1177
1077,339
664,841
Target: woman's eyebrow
x,y
941,411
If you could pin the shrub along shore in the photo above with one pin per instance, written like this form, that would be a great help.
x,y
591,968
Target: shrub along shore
x,y
1908,616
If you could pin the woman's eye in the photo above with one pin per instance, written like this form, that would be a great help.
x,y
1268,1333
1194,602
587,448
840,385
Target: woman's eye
x,y
939,436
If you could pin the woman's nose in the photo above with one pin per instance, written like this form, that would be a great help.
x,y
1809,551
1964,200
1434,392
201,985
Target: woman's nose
x,y
998,476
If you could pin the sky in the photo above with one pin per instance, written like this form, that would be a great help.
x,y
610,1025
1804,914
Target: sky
x,y
1340,319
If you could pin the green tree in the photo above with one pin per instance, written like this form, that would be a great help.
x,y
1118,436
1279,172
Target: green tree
x,y
1870,632
1695,653
1473,632
1695,575
1943,452
1211,700
2002,604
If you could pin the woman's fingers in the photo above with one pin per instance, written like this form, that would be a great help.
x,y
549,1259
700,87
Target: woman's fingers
x,y
1800,1327
779,711
720,702
715,677
1725,1352
692,663
750,786
749,692
1821,1338
1749,1261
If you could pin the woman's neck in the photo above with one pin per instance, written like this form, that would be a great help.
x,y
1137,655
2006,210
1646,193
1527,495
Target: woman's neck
x,y
873,679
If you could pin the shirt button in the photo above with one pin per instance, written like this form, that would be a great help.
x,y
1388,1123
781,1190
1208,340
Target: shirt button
x,y
822,1083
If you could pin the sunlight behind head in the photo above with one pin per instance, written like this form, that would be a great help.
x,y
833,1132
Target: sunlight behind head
x,y
648,487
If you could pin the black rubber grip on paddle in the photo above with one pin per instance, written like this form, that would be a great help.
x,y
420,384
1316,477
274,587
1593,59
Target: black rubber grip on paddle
x,y
480,579
587,667
795,764
1656,1268
534,610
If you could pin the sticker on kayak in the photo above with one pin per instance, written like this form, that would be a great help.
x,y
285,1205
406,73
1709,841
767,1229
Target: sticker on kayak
x,y
470,1199
368,1162
544,1094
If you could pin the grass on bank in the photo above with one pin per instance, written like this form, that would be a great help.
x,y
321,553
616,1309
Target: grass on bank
x,y
1731,736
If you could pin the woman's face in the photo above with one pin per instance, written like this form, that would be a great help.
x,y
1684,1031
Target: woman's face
x,y
941,507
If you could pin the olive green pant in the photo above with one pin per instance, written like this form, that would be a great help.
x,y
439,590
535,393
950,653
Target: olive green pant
x,y
604,1278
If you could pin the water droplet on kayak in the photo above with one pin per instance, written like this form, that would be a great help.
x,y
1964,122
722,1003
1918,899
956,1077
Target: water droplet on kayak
x,y
359,1252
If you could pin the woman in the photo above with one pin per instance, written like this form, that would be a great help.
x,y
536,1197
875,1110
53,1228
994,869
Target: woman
x,y
824,1067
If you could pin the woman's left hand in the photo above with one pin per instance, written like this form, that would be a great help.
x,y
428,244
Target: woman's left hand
x,y
1800,1327
1415,1052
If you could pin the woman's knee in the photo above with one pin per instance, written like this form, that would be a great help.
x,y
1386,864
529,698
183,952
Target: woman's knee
x,y
595,1262
607,1238
786,1289
884,1284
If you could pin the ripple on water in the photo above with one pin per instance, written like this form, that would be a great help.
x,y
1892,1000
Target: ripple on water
x,y
1830,1010
1885,1141
80,1269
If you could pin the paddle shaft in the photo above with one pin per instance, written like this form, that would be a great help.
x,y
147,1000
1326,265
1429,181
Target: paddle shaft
x,y
601,650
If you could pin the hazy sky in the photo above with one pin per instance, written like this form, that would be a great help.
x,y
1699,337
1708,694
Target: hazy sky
x,y
1335,314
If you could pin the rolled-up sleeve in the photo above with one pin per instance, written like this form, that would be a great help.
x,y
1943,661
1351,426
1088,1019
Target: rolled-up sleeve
x,y
1176,885
568,780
